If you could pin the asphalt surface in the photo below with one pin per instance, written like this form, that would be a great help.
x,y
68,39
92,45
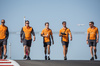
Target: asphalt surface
x,y
57,63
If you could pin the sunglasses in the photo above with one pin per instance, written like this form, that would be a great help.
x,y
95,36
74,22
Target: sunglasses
x,y
27,23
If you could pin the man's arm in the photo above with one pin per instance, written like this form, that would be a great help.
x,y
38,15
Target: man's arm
x,y
44,35
52,37
7,33
97,36
71,37
21,33
33,33
87,38
60,35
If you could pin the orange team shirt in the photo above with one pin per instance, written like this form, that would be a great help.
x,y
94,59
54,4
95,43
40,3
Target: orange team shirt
x,y
27,32
3,30
67,32
45,32
92,33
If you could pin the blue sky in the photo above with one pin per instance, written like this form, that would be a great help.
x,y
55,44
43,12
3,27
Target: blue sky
x,y
53,11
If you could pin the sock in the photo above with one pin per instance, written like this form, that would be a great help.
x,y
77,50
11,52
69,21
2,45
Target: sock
x,y
49,55
64,56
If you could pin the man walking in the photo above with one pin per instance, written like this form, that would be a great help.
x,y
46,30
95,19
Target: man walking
x,y
4,33
46,34
92,39
26,38
64,34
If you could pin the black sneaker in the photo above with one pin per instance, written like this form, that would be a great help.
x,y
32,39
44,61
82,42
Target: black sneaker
x,y
0,57
28,58
65,58
24,57
95,56
92,58
48,58
5,56
45,57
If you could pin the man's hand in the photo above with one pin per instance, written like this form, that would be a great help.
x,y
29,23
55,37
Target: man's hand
x,y
97,41
21,41
33,39
87,42
52,42
71,39
45,35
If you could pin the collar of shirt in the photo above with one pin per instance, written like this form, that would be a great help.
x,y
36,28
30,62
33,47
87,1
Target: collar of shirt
x,y
47,29
27,27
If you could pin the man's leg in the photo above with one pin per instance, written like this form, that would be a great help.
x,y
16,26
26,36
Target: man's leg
x,y
0,53
24,52
95,50
0,49
91,50
45,51
64,50
5,51
48,49
48,46
28,51
24,49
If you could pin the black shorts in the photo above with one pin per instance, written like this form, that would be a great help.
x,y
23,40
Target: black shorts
x,y
92,43
65,43
47,43
3,42
27,42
